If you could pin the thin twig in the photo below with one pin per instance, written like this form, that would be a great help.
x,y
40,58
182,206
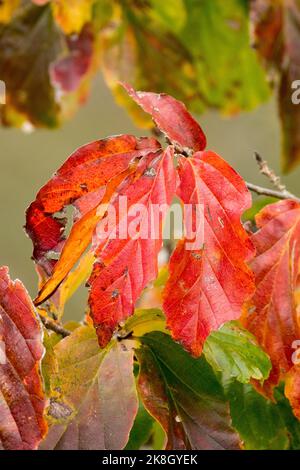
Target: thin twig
x,y
271,192
51,325
271,175
268,172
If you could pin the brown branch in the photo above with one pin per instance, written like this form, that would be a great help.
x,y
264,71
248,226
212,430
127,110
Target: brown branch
x,y
271,175
268,172
271,192
51,325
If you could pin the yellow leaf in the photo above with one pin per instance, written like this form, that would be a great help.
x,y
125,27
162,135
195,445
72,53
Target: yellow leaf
x,y
72,15
77,277
7,9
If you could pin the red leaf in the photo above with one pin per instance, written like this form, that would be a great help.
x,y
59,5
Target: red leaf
x,y
172,118
272,316
22,402
67,72
125,266
209,284
81,179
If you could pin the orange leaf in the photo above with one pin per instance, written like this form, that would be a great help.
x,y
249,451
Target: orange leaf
x,y
272,315
81,181
292,389
79,239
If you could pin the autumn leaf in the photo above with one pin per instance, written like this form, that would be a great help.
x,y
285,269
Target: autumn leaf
x,y
80,181
272,316
22,399
144,320
7,9
163,46
209,278
183,394
67,72
72,15
125,266
234,351
143,46
78,276
37,55
276,34
124,259
104,172
172,118
292,389
93,400
29,44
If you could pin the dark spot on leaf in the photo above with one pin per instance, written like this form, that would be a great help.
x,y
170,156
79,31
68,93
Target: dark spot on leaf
x,y
209,213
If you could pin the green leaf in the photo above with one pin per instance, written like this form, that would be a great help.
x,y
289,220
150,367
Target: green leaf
x,y
291,422
228,73
144,321
158,437
49,360
257,419
184,395
197,51
258,204
141,430
162,277
93,400
171,13
204,60
234,351
102,12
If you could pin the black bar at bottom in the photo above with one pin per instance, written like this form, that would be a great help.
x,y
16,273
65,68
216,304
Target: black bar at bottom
x,y
136,459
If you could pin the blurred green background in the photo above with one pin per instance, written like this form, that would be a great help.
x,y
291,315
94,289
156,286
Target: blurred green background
x,y
29,160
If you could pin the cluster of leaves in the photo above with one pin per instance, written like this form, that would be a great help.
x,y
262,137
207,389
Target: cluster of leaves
x,y
213,368
196,50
